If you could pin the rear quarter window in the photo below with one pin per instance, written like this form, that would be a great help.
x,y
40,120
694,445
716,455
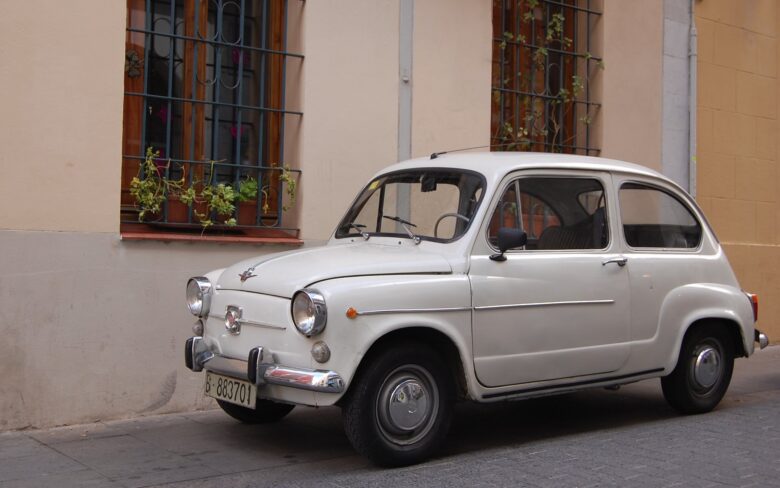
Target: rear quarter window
x,y
654,218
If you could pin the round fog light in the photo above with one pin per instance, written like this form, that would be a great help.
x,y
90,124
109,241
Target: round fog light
x,y
320,352
197,328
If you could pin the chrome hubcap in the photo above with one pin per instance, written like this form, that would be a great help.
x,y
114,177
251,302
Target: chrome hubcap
x,y
708,367
408,405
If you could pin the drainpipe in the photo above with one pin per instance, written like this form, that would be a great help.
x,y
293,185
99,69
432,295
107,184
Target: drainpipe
x,y
692,95
405,52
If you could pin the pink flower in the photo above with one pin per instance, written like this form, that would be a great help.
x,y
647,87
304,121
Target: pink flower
x,y
236,54
162,114
234,131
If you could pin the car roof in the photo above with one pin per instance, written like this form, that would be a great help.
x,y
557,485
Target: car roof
x,y
497,164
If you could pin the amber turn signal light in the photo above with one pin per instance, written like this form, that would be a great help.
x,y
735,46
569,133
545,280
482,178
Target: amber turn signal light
x,y
754,303
352,313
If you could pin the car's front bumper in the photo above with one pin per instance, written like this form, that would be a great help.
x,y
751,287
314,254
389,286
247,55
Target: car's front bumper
x,y
260,369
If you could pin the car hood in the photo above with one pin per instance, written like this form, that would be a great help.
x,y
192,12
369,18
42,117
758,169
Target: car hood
x,y
285,273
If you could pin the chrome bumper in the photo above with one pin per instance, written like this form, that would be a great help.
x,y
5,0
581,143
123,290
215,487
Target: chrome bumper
x,y
762,339
260,369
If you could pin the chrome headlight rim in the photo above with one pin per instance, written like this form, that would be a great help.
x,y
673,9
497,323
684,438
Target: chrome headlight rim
x,y
315,323
199,296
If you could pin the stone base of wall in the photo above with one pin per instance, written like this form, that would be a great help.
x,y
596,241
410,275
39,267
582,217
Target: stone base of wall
x,y
93,327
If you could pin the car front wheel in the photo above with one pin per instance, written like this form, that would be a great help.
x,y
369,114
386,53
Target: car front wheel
x,y
398,411
703,371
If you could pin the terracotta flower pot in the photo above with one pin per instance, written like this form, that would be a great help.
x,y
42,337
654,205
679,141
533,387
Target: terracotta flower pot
x,y
247,212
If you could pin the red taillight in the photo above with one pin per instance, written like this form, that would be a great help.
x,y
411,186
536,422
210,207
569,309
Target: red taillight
x,y
754,303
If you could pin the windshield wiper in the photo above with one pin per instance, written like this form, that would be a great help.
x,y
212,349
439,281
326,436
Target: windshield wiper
x,y
359,228
406,225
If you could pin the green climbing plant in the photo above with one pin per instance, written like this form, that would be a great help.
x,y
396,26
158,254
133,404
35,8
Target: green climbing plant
x,y
535,111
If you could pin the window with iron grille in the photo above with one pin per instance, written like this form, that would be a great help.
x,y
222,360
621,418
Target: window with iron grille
x,y
543,70
205,114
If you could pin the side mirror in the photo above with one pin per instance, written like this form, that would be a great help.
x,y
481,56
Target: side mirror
x,y
509,238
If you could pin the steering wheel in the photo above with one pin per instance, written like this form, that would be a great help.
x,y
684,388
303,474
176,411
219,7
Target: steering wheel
x,y
443,216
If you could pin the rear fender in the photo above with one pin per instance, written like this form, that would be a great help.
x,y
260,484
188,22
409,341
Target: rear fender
x,y
689,304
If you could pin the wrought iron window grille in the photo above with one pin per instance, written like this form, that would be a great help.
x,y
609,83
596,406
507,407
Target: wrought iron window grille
x,y
205,86
543,70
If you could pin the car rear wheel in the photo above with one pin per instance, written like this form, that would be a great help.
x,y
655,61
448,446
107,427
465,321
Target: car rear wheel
x,y
399,409
703,371
265,411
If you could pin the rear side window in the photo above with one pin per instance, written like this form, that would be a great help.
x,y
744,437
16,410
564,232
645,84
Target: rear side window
x,y
656,219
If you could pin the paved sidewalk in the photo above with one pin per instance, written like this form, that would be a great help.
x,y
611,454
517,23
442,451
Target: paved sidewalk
x,y
626,438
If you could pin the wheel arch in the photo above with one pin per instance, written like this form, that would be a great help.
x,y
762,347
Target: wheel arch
x,y
702,305
434,338
729,326
706,319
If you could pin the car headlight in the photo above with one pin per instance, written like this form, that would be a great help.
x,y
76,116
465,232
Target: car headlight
x,y
309,312
199,296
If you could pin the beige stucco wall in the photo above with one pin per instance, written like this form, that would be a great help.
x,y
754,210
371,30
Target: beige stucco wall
x,y
61,124
93,327
451,75
350,100
738,180
351,93
631,88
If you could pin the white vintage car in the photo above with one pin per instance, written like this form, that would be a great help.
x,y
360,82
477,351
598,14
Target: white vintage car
x,y
477,276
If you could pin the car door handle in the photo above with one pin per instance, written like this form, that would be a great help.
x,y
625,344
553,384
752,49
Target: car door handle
x,y
621,261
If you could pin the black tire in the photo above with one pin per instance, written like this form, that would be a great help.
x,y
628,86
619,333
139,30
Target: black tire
x,y
703,370
265,411
406,434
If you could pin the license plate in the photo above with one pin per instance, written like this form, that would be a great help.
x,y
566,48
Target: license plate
x,y
231,390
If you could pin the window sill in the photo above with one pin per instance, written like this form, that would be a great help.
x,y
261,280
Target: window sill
x,y
130,232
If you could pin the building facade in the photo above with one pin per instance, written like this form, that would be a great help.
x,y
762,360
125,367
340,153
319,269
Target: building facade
x,y
326,92
737,132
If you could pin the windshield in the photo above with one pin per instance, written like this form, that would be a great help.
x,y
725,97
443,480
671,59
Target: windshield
x,y
429,204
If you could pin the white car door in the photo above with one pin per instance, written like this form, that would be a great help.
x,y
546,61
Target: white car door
x,y
559,307
664,241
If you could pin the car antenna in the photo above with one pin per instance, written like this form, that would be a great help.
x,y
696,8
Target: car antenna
x,y
437,154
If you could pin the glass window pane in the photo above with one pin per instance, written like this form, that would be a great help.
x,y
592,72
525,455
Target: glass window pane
x,y
552,214
434,205
654,218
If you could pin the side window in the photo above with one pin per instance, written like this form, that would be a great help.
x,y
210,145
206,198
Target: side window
x,y
555,213
654,218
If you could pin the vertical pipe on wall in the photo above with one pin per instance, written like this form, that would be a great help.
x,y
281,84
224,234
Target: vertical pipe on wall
x,y
405,50
692,95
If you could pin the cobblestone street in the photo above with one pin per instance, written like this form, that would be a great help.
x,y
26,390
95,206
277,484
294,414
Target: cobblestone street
x,y
626,438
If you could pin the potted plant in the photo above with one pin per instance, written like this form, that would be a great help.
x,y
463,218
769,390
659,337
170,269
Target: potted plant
x,y
211,204
247,201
